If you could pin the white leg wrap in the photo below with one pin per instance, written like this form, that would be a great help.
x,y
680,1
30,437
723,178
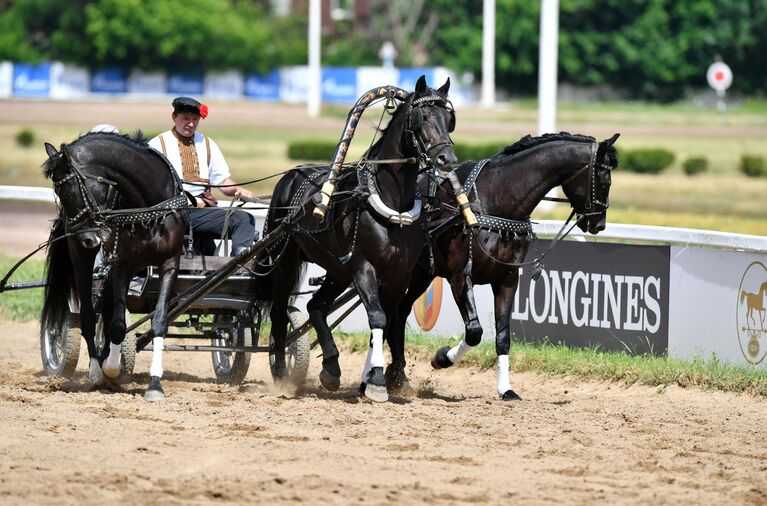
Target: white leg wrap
x,y
456,353
366,369
503,374
158,344
376,355
113,360
111,365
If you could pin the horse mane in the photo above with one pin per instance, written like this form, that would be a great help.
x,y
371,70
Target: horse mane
x,y
528,141
136,139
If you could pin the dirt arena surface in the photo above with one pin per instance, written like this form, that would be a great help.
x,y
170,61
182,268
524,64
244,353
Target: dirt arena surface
x,y
568,442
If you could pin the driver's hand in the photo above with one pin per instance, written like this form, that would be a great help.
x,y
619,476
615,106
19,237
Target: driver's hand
x,y
244,192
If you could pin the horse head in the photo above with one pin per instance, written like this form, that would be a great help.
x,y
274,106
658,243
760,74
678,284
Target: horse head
x,y
589,191
83,192
428,120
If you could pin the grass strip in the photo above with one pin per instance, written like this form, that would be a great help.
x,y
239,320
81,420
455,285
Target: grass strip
x,y
26,304
592,364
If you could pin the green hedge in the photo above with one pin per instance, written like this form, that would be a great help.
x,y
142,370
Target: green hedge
x,y
25,137
317,150
646,161
753,166
695,165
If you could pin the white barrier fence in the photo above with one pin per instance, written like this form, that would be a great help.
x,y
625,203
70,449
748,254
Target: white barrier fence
x,y
693,293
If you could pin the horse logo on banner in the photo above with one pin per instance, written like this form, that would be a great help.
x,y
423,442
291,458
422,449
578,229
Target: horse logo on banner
x,y
751,312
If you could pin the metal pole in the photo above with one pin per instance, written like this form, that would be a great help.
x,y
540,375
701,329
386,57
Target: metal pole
x,y
314,99
547,67
488,53
547,78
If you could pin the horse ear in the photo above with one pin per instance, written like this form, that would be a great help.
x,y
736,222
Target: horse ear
x,y
611,140
50,150
420,85
444,88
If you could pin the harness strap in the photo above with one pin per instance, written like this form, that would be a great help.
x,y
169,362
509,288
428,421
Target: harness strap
x,y
120,217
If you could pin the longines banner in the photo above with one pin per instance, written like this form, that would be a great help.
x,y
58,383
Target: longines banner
x,y
609,296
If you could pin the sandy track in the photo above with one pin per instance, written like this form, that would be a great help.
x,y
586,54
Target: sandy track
x,y
568,442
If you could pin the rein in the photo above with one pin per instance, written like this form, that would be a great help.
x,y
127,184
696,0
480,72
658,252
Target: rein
x,y
4,282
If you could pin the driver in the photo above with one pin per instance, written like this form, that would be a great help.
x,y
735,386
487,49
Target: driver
x,y
198,159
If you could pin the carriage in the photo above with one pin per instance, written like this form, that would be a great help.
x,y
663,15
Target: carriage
x,y
225,321
387,254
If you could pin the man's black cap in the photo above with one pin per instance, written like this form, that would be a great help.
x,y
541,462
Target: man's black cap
x,y
188,104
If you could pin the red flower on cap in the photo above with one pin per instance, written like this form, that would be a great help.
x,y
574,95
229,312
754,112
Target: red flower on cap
x,y
203,111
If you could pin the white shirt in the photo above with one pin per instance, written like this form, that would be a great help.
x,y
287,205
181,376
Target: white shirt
x,y
216,172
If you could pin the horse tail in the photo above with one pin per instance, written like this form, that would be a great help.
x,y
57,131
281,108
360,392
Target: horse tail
x,y
59,280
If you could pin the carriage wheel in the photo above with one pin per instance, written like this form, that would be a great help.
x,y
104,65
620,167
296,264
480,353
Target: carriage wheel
x,y
232,366
60,349
297,354
127,349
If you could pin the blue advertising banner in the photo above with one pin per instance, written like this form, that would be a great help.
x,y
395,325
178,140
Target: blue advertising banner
x,y
339,85
263,86
31,80
110,80
183,84
409,76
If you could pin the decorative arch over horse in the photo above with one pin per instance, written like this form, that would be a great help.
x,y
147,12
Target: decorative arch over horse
x,y
117,194
369,235
504,191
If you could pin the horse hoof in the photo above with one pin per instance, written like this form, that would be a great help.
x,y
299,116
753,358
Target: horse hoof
x,y
510,395
376,393
440,359
154,391
375,388
112,373
405,389
95,374
329,381
397,382
363,387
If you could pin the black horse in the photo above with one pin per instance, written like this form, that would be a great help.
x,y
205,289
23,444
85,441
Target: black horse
x,y
361,240
101,181
504,191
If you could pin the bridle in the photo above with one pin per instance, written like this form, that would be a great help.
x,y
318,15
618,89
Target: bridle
x,y
89,206
415,120
593,206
